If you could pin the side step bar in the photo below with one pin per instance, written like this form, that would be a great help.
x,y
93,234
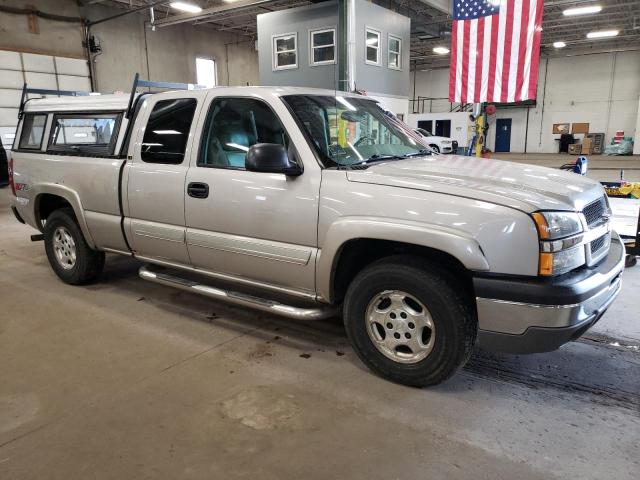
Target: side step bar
x,y
237,298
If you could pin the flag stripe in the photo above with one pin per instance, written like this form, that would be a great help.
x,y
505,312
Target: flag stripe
x,y
459,47
508,33
454,63
493,69
515,50
472,41
486,57
465,62
479,55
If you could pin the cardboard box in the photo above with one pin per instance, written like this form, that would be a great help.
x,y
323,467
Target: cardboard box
x,y
575,149
587,146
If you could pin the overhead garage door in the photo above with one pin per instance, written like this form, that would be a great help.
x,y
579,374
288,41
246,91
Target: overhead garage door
x,y
37,71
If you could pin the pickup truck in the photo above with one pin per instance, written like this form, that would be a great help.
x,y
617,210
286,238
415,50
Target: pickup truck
x,y
307,203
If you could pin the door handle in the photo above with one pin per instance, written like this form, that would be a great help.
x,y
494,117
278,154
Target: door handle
x,y
198,190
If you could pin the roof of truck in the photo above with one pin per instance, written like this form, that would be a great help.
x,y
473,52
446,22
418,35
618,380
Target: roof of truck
x,y
120,102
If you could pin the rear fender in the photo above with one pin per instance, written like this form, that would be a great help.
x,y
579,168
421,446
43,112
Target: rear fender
x,y
71,197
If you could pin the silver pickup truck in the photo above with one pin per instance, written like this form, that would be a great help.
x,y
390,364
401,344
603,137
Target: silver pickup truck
x,y
305,203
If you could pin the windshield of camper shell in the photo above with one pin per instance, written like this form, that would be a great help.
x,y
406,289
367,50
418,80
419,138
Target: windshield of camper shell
x,y
350,130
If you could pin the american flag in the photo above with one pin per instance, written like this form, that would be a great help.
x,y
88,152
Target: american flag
x,y
495,48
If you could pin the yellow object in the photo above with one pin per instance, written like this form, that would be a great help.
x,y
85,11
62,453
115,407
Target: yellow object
x,y
546,264
541,224
479,134
630,188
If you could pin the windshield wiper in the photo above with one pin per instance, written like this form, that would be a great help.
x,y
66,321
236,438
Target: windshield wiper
x,y
376,158
424,151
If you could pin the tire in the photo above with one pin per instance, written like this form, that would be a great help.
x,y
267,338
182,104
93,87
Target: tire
x,y
447,345
69,255
435,148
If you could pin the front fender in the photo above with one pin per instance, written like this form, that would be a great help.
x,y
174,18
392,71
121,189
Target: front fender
x,y
456,243
71,197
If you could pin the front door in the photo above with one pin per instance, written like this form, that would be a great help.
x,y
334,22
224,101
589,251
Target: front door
x,y
251,226
503,135
155,177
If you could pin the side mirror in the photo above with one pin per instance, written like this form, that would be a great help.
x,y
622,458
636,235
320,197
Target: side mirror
x,y
271,158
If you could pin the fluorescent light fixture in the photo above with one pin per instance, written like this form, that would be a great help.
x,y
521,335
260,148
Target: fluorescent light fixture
x,y
186,7
559,44
603,34
441,50
167,132
570,12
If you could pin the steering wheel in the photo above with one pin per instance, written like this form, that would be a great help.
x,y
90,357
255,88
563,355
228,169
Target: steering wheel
x,y
365,138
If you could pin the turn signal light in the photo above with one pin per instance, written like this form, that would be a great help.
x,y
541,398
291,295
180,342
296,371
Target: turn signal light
x,y
546,264
541,225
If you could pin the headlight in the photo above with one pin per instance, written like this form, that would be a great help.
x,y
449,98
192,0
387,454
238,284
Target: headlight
x,y
560,242
561,262
553,225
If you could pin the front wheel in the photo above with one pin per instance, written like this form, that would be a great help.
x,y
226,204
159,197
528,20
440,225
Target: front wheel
x,y
409,320
69,255
435,148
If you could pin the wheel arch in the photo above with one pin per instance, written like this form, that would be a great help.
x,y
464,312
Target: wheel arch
x,y
352,244
49,198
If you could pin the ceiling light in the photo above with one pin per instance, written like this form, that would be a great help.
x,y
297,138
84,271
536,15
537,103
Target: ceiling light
x,y
559,44
603,34
186,7
569,12
441,50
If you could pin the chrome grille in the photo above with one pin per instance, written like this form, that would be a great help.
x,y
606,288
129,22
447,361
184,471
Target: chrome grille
x,y
594,212
598,244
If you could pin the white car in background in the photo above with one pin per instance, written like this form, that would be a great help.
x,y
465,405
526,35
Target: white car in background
x,y
439,144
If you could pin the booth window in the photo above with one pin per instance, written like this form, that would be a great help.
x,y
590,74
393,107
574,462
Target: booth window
x,y
285,51
373,47
323,46
395,52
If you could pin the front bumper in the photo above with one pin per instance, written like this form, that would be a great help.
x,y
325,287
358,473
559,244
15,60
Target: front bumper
x,y
541,314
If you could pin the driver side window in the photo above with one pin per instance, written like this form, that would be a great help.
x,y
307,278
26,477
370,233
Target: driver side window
x,y
234,125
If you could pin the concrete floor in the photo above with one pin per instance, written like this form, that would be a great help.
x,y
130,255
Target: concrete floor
x,y
126,379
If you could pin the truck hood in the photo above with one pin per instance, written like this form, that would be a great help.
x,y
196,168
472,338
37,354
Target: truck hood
x,y
521,186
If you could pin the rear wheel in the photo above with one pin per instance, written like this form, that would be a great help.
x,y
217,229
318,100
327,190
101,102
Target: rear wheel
x,y
69,255
409,321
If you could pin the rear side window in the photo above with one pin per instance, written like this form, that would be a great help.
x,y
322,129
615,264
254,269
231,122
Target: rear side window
x,y
84,134
167,131
32,131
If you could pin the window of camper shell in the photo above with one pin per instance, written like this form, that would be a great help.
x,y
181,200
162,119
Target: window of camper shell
x,y
33,127
85,134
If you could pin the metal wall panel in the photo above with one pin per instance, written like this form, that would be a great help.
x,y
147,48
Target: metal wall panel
x,y
38,71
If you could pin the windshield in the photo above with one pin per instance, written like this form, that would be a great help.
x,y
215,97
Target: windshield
x,y
350,130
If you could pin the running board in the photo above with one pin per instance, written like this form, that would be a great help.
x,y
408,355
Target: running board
x,y
237,298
